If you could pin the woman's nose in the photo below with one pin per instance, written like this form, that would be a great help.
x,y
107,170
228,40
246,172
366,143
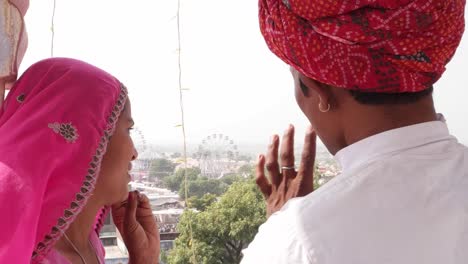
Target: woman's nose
x,y
135,154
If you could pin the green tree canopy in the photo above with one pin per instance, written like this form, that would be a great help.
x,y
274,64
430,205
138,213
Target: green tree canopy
x,y
223,229
175,181
247,169
161,168
202,203
232,178
202,186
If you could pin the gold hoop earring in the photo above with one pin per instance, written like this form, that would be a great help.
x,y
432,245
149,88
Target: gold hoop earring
x,y
322,110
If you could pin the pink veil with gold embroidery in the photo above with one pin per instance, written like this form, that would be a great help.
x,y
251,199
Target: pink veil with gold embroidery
x,y
54,128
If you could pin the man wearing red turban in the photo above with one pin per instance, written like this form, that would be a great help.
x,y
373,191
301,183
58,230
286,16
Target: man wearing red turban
x,y
364,72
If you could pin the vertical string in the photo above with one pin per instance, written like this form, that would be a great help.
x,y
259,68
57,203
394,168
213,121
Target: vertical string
x,y
181,101
52,28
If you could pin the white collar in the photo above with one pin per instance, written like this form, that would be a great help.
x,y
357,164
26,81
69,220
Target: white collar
x,y
395,140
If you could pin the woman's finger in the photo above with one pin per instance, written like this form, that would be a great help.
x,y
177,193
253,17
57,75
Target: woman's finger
x,y
130,213
261,180
287,153
143,202
145,215
272,165
306,169
118,216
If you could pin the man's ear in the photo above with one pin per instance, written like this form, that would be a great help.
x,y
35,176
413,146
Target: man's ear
x,y
304,88
310,87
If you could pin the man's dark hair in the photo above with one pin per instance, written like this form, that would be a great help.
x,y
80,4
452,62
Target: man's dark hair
x,y
389,98
368,98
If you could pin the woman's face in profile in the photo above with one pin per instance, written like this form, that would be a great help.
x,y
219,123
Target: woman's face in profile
x,y
112,184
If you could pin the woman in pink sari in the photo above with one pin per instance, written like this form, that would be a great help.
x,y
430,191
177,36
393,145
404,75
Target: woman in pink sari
x,y
65,153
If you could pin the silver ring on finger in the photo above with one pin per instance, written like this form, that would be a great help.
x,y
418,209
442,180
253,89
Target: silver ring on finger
x,y
288,168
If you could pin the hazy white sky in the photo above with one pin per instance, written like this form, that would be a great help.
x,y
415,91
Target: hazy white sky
x,y
236,86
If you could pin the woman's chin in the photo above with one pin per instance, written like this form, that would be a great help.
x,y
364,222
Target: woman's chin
x,y
124,197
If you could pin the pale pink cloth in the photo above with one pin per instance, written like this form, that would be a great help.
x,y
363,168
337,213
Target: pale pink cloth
x,y
54,257
54,128
13,38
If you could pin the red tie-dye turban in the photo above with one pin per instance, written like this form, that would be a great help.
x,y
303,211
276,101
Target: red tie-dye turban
x,y
387,46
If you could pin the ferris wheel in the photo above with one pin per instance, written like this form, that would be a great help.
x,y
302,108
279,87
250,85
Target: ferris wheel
x,y
145,155
217,155
139,140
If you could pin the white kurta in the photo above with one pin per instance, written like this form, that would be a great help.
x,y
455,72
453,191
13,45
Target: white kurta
x,y
402,198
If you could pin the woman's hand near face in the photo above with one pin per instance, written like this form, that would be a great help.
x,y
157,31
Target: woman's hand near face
x,y
138,227
286,183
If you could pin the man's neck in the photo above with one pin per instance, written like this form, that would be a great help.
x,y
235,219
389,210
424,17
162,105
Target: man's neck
x,y
367,121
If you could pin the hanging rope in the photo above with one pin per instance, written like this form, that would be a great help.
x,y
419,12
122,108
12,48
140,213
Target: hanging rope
x,y
181,101
52,29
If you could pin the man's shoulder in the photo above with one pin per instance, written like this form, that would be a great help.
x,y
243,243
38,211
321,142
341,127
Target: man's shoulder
x,y
279,239
291,233
465,148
